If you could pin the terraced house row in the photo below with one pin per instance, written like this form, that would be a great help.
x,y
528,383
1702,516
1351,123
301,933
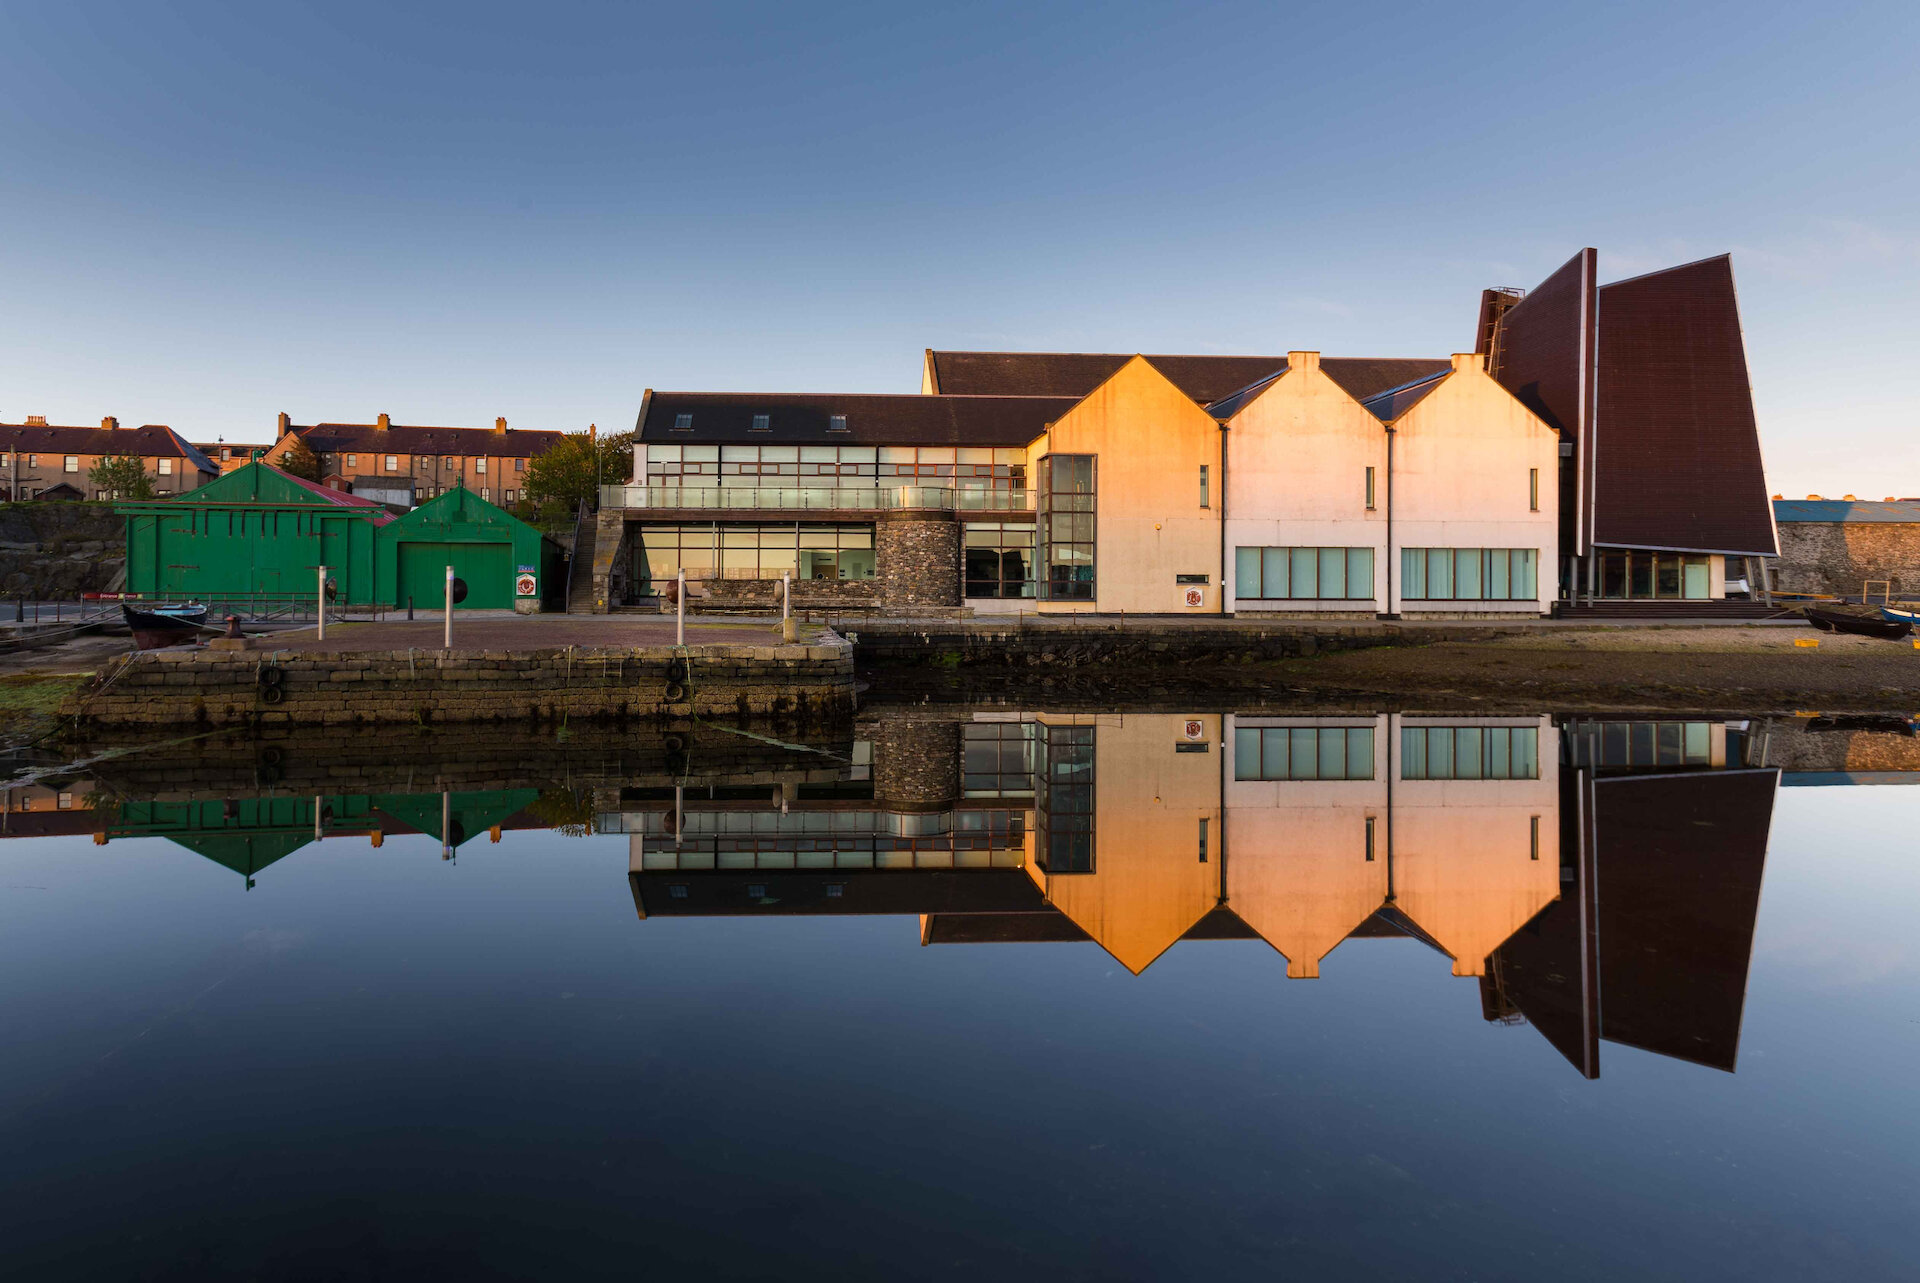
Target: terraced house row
x,y
1597,444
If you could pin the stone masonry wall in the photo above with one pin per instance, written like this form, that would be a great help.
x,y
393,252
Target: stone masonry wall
x,y
1838,557
763,595
186,688
917,556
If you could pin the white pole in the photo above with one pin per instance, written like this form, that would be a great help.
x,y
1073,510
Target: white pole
x,y
786,595
448,638
321,601
680,604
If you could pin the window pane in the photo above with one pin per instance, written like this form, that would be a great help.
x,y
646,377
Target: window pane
x,y
1274,572
1498,579
1273,753
1439,573
1526,752
1304,755
1413,753
1466,572
1467,741
1333,572
1699,744
1439,753
1499,756
1413,572
1333,753
1360,753
1360,574
1526,585
1306,572
1246,572
1246,753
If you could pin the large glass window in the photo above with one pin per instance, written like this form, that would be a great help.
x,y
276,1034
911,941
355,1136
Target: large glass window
x,y
998,759
1641,744
1066,526
839,466
1063,799
710,550
999,558
1469,574
1342,574
1655,575
1469,752
1303,753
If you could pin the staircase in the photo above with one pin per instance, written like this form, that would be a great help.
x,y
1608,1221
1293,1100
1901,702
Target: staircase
x,y
1676,611
580,566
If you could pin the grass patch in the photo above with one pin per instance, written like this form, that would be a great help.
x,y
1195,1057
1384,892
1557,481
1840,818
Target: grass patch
x,y
34,695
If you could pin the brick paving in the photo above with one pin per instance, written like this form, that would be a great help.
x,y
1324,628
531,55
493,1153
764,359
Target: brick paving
x,y
503,631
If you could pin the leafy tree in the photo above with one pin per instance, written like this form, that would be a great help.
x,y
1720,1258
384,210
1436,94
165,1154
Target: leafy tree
x,y
574,468
300,461
124,476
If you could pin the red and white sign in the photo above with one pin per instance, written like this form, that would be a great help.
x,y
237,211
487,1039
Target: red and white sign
x,y
1196,597
1196,729
523,585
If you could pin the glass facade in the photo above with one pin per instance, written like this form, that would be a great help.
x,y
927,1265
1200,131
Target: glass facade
x,y
839,466
1303,753
1063,799
999,558
1672,576
1319,573
1470,752
997,759
715,550
1066,526
1469,574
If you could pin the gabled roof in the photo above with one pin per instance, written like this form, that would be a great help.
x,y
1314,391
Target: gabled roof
x,y
1207,379
1227,407
262,483
1388,406
151,441
794,417
399,438
1849,510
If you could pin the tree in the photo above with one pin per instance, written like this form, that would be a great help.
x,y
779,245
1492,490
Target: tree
x,y
573,469
124,476
299,461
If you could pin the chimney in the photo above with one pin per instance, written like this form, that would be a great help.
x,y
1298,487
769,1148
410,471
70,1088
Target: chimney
x,y
1303,360
1464,361
284,426
36,420
1849,498
384,423
499,425
110,424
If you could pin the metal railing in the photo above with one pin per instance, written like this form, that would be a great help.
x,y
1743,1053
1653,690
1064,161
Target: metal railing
x,y
818,498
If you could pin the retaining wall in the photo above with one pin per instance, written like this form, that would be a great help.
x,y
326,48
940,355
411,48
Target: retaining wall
x,y
1140,643
184,688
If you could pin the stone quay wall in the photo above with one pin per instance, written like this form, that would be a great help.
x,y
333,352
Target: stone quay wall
x,y
188,688
1840,556
1141,644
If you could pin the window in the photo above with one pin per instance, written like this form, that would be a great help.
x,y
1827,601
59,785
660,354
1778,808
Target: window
x,y
761,423
1655,574
507,495
1203,486
226,452
998,558
836,423
1203,839
33,461
165,467
1370,504
1468,574
1533,489
486,494
675,890
72,463
1323,574
706,550
64,802
519,465
1303,753
393,463
997,759
1370,820
1063,799
451,461
480,465
1469,752
1066,526
1638,744
683,423
353,461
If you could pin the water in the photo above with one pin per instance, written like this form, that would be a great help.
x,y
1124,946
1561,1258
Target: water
x,y
957,996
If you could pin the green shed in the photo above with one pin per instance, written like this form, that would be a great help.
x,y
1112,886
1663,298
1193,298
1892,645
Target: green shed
x,y
255,533
505,563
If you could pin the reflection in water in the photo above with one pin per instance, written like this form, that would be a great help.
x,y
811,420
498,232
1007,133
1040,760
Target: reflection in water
x,y
1488,839
1599,879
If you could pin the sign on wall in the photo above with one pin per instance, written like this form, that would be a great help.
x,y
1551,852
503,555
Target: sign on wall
x,y
1196,597
524,584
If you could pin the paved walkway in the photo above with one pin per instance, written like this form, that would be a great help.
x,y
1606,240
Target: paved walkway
x,y
503,630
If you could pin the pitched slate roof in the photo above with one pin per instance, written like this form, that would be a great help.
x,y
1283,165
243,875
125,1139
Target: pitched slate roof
x,y
1394,402
912,419
1850,510
152,440
1207,379
400,438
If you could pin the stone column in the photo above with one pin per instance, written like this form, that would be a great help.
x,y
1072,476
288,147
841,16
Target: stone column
x,y
917,559
916,765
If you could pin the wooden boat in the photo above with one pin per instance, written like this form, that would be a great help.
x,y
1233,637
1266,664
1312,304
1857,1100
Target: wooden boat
x,y
1900,614
160,626
1840,621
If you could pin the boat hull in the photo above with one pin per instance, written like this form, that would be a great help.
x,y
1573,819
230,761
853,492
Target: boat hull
x,y
1838,621
158,629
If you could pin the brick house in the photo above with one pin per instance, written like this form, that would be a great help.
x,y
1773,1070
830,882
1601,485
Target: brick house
x,y
405,465
42,460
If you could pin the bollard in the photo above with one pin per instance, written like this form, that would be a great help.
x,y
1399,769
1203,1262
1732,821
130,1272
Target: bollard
x,y
680,610
448,631
320,607
409,607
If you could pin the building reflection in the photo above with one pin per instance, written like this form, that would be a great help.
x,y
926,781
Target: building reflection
x,y
1487,839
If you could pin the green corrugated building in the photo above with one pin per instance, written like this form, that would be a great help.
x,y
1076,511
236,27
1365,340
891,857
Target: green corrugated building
x,y
504,562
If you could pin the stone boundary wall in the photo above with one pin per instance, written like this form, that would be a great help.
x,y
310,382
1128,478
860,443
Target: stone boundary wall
x,y
1141,644
188,688
1839,556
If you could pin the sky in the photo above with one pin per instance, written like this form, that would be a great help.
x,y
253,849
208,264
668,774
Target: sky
x,y
213,213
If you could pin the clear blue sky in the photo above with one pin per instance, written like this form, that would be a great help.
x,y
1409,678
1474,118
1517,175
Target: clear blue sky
x,y
214,213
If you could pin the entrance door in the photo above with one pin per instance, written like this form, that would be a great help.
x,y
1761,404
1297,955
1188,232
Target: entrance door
x,y
487,569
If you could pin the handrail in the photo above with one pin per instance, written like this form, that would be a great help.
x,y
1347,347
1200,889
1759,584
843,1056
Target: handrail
x,y
573,558
818,498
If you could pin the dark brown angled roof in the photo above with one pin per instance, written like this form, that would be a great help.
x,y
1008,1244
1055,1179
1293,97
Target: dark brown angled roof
x,y
1390,405
1677,451
153,440
1005,421
406,439
1207,379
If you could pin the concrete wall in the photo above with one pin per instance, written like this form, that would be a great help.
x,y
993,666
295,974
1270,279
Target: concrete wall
x,y
1838,557
1150,441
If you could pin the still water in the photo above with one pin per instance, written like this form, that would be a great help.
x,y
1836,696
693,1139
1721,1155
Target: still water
x,y
970,994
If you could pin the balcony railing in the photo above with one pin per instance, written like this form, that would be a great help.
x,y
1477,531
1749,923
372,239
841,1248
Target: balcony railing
x,y
818,498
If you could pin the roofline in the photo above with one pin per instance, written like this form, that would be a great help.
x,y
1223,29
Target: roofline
x,y
1661,271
